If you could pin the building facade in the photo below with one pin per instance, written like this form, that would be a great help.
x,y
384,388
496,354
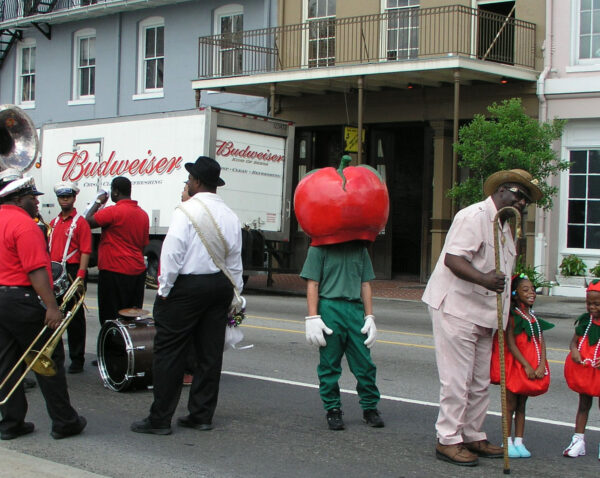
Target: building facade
x,y
69,60
401,74
569,88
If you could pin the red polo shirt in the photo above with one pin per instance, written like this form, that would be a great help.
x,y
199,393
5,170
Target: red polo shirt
x,y
22,247
125,231
81,240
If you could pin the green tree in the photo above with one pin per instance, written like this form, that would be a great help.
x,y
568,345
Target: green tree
x,y
508,139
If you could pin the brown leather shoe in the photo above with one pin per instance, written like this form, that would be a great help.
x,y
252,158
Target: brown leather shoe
x,y
485,449
456,454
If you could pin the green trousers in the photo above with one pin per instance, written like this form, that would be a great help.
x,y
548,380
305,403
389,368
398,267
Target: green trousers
x,y
345,319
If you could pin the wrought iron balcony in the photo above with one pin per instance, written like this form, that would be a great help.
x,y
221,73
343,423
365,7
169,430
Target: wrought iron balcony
x,y
405,35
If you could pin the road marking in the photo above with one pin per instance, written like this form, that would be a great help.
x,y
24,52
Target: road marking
x,y
391,397
276,329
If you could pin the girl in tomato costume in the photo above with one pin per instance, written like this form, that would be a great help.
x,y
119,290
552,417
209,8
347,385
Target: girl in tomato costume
x,y
342,210
582,366
526,367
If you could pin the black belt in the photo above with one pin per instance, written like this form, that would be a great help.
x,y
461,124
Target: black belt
x,y
18,287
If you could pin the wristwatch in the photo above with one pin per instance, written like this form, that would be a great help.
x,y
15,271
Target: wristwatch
x,y
98,201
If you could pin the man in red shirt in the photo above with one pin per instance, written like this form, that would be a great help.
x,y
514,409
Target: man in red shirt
x,y
121,266
70,244
27,302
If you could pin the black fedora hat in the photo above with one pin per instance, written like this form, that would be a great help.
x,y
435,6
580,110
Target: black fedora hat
x,y
207,170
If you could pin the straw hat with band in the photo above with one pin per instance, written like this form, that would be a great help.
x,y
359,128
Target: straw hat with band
x,y
513,176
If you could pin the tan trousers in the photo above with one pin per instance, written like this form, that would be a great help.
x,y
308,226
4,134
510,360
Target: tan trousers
x,y
463,352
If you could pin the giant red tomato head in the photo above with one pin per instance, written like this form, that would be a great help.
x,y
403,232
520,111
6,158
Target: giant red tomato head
x,y
340,205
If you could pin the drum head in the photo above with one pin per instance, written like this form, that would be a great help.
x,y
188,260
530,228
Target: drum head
x,y
59,278
57,270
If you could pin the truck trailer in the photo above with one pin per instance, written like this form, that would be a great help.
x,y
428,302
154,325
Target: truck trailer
x,y
255,154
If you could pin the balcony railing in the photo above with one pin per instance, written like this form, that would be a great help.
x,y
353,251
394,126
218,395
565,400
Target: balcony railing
x,y
14,9
407,34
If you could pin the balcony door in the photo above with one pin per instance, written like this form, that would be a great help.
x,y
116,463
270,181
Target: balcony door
x,y
496,31
229,23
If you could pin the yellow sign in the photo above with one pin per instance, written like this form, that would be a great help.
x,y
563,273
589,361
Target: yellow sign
x,y
351,139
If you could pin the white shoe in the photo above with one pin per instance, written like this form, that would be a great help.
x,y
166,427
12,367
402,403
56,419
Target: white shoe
x,y
576,448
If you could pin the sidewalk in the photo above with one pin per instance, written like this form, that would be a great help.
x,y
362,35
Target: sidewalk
x,y
408,288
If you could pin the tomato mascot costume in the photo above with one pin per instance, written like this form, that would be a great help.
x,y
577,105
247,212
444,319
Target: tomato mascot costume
x,y
341,210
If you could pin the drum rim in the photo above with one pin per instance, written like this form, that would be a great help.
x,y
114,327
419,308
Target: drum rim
x,y
106,378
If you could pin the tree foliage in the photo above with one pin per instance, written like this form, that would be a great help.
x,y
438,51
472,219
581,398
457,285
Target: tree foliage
x,y
508,139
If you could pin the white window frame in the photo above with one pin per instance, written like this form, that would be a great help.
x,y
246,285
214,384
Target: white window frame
x,y
142,91
76,98
384,31
224,11
565,197
23,45
578,64
305,34
578,135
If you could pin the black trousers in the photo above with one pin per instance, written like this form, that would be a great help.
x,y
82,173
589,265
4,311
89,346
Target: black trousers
x,y
194,312
119,291
76,328
21,319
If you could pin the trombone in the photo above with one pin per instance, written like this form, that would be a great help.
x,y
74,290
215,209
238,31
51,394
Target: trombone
x,y
40,361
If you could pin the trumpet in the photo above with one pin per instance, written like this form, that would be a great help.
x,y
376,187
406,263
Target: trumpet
x,y
40,361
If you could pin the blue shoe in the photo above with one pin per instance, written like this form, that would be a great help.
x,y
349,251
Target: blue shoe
x,y
522,451
513,452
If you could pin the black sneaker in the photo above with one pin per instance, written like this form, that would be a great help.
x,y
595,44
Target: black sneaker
x,y
145,426
334,419
70,431
372,418
75,367
23,429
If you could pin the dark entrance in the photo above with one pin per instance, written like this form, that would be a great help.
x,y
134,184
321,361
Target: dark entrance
x,y
398,151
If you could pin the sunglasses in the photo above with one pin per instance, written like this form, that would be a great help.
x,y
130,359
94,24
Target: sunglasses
x,y
521,196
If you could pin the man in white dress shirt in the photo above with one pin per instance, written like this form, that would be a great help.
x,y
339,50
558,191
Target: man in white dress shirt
x,y
193,300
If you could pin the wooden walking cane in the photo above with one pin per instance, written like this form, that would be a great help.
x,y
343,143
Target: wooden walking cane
x,y
500,310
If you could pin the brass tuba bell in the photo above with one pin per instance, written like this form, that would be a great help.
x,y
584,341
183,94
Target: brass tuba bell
x,y
18,139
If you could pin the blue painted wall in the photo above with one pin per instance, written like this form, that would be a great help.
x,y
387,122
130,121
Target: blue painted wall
x,y
116,63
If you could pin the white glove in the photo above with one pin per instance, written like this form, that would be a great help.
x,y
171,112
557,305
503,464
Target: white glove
x,y
369,329
314,330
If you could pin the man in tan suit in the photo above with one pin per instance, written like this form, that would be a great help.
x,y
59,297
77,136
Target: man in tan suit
x,y
461,295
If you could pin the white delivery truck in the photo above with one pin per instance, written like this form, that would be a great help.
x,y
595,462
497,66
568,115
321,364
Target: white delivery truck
x,y
255,154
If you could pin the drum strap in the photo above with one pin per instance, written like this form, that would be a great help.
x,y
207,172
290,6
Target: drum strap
x,y
212,239
66,256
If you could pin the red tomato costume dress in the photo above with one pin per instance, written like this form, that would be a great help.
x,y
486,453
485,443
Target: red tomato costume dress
x,y
527,339
585,378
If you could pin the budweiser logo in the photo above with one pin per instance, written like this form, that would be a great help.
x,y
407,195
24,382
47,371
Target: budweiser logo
x,y
228,148
78,165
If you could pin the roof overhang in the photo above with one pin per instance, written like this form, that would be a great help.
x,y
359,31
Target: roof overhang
x,y
433,72
84,12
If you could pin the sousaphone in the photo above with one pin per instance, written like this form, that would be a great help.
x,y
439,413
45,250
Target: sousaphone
x,y
19,143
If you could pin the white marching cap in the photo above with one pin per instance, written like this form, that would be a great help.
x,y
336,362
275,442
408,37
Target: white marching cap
x,y
20,187
66,189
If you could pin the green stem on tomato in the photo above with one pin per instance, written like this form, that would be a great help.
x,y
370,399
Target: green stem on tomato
x,y
343,163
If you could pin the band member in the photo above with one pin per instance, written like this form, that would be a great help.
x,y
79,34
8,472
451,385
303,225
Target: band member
x,y
461,295
121,266
194,295
70,244
27,302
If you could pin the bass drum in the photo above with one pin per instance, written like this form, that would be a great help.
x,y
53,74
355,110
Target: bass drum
x,y
125,353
